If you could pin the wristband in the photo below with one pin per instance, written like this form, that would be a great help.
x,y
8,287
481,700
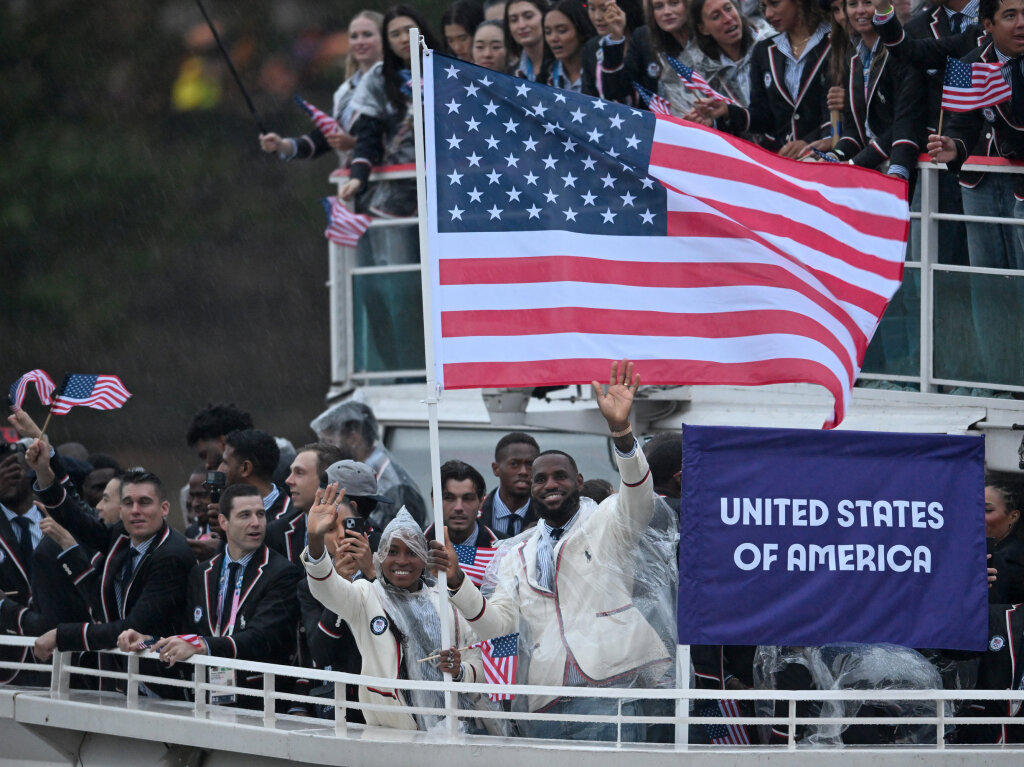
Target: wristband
x,y
624,432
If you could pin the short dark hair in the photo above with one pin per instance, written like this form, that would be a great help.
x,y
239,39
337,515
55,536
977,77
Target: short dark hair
x,y
104,461
664,453
364,506
514,438
460,471
140,476
216,421
597,489
987,9
258,447
326,454
464,13
231,492
562,453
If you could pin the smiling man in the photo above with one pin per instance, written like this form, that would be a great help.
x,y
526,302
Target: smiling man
x,y
142,567
241,604
567,588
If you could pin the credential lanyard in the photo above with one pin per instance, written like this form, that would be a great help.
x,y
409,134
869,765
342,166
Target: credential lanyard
x,y
229,629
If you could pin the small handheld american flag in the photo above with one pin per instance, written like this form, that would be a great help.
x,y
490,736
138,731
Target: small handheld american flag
x,y
39,379
695,81
324,122
725,733
474,561
654,102
99,392
501,658
343,226
967,87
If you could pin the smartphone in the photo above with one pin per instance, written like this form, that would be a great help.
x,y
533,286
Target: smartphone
x,y
215,482
356,524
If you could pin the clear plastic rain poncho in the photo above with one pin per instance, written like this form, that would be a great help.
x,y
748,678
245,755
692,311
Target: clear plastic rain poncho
x,y
851,667
616,597
414,615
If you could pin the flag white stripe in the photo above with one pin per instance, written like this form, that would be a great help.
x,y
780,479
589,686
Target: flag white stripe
x,y
728,299
555,346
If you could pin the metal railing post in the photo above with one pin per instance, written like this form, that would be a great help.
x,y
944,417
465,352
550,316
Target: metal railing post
x,y
340,709
133,686
940,723
198,680
791,735
682,704
268,699
929,241
56,675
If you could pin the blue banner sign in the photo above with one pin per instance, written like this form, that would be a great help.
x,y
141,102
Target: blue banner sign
x,y
801,537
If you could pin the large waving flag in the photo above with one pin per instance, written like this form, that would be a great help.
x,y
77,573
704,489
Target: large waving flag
x,y
324,122
967,87
99,392
38,378
566,231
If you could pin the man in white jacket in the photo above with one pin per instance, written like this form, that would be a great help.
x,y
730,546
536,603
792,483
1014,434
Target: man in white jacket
x,y
567,585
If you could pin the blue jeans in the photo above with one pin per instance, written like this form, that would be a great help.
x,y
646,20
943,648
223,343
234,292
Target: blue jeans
x,y
992,245
952,245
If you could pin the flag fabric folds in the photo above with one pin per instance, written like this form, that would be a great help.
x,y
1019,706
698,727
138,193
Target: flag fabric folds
x,y
99,392
967,87
326,124
474,561
566,231
500,657
724,733
657,104
695,81
343,226
38,378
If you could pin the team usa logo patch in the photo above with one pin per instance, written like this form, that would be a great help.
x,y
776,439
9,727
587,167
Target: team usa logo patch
x,y
767,80
378,625
198,614
989,114
653,69
996,643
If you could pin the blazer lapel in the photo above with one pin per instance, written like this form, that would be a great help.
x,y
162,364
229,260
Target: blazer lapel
x,y
777,63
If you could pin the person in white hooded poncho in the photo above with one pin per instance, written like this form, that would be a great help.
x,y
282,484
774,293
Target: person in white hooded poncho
x,y
394,618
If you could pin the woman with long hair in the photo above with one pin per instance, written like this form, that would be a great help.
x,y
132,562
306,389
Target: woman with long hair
x,y
723,45
788,82
567,28
489,47
524,38
458,23
615,21
882,116
364,50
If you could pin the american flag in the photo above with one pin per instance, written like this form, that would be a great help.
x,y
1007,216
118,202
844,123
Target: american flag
x,y
695,81
97,392
343,226
193,639
725,733
324,122
568,231
39,379
657,104
501,657
967,87
474,561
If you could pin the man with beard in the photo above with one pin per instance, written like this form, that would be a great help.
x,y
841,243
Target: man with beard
x,y
568,587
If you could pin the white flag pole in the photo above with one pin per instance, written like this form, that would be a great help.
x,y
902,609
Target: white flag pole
x,y
426,285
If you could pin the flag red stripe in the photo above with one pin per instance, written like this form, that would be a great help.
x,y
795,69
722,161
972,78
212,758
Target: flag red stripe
x,y
703,225
544,269
466,324
718,166
820,173
472,375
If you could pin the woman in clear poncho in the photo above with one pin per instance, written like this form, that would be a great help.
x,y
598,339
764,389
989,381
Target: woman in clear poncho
x,y
394,618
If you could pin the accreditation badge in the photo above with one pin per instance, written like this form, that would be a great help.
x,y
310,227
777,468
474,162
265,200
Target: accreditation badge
x,y
223,677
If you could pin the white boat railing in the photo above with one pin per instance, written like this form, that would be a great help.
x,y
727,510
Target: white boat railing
x,y
62,668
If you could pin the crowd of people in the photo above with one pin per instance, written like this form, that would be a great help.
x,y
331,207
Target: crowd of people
x,y
321,561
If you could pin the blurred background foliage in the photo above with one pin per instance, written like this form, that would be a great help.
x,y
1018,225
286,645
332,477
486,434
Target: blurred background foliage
x,y
143,233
